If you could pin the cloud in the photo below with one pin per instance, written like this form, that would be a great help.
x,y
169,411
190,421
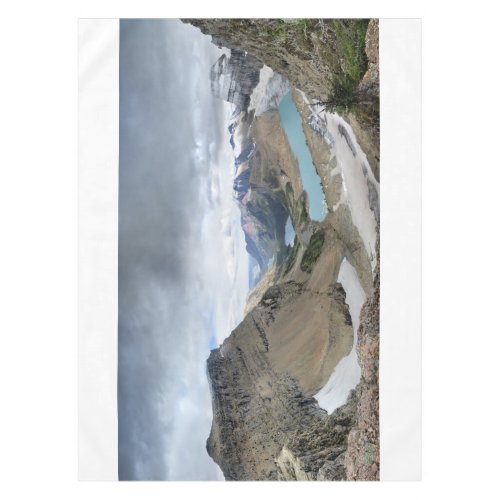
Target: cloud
x,y
182,264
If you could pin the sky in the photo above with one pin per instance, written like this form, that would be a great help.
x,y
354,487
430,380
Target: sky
x,y
183,268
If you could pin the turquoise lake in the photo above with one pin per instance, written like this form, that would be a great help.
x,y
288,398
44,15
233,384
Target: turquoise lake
x,y
292,123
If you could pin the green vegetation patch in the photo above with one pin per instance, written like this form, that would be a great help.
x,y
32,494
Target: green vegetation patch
x,y
292,257
289,199
352,62
296,209
274,28
339,42
350,35
289,191
313,251
302,214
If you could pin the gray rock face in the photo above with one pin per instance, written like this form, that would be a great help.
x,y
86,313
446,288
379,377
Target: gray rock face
x,y
252,423
234,78
318,452
264,419
276,88
363,449
304,66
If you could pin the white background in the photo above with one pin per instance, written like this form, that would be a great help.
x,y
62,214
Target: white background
x,y
400,254
98,152
38,210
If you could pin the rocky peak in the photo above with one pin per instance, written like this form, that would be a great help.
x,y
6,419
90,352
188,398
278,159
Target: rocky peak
x,y
363,450
233,78
263,408
318,452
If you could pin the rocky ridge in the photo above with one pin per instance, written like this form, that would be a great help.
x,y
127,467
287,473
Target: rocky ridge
x,y
234,77
259,401
319,451
362,459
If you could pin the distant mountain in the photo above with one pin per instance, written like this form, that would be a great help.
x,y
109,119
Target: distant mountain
x,y
233,78
254,89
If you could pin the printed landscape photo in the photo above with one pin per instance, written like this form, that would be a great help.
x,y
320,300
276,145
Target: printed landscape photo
x,y
248,249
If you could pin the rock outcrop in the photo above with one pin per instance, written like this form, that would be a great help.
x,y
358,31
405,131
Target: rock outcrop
x,y
318,452
362,459
263,376
233,78
303,54
365,120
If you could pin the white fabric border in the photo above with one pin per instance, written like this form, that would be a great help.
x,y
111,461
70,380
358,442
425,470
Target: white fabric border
x,y
400,250
98,114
